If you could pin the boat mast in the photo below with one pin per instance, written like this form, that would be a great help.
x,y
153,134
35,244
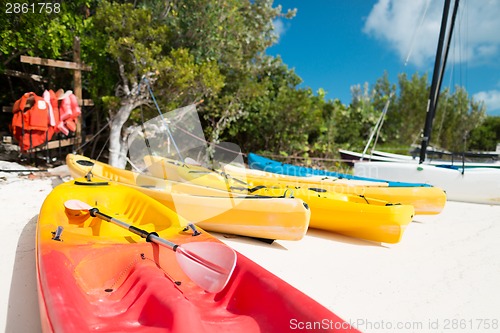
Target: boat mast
x,y
437,76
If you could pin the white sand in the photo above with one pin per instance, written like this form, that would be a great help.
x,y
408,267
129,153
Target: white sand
x,y
444,276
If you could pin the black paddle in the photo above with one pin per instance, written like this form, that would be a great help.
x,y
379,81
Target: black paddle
x,y
208,264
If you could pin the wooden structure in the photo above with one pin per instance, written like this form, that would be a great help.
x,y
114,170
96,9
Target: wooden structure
x,y
77,67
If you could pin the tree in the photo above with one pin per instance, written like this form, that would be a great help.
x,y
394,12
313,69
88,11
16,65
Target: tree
x,y
406,116
355,123
280,117
487,135
188,50
135,45
456,117
222,44
235,34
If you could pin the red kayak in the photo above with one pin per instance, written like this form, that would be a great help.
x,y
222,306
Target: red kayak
x,y
111,259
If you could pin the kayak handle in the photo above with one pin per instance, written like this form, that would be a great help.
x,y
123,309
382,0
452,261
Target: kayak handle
x,y
57,234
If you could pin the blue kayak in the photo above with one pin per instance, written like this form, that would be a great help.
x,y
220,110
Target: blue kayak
x,y
265,164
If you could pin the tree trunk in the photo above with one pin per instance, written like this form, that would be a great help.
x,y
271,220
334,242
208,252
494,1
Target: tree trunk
x,y
117,144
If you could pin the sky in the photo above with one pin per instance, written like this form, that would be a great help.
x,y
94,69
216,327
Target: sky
x,y
336,44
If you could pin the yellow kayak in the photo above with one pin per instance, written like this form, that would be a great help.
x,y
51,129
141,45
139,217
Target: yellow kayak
x,y
425,200
351,215
211,209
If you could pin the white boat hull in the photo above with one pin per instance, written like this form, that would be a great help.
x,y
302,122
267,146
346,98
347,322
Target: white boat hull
x,y
478,185
379,156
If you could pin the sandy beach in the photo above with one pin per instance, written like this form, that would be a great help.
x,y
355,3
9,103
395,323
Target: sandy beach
x,y
442,277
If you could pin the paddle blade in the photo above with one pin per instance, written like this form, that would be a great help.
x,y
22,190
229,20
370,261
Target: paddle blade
x,y
76,205
208,264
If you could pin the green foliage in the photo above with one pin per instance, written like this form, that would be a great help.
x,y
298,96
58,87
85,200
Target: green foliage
x,y
456,117
406,115
126,44
182,81
133,43
40,34
357,121
231,32
486,136
214,50
280,117
43,34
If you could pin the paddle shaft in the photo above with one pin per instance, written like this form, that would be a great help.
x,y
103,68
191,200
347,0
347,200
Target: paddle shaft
x,y
149,236
153,237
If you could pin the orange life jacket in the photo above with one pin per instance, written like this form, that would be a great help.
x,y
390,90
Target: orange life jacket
x,y
36,118
30,122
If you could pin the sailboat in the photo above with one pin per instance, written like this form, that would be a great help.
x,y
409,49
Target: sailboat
x,y
461,183
457,159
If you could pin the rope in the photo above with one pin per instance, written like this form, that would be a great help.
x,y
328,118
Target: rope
x,y
102,149
159,111
92,138
417,29
203,140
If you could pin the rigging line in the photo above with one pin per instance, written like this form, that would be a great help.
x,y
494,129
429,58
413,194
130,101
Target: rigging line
x,y
379,120
203,140
161,115
93,137
191,134
185,131
180,128
139,170
412,42
445,108
377,127
209,143
102,149
463,46
146,140
381,123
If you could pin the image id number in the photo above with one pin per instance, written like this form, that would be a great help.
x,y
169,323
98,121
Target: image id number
x,y
33,8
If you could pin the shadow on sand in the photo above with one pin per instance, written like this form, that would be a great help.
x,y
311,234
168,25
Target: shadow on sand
x,y
23,314
318,233
250,240
311,232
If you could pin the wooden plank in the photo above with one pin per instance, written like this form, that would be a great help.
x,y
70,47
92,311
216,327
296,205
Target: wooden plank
x,y
77,85
87,102
55,63
55,144
34,77
77,74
